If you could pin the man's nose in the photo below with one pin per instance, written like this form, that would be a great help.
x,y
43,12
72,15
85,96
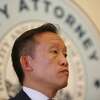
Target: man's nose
x,y
63,61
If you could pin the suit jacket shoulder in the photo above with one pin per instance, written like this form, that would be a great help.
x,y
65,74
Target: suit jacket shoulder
x,y
21,96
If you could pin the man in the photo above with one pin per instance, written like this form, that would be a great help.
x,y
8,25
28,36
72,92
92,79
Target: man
x,y
39,59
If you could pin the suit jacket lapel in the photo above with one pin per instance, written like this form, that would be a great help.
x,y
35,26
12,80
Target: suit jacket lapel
x,y
21,96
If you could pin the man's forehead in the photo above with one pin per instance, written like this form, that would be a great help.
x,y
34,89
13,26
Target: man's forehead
x,y
58,45
51,39
55,44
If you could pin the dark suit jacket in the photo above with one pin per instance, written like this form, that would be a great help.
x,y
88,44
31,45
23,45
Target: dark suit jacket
x,y
21,96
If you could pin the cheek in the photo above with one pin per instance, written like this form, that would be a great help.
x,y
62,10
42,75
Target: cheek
x,y
46,60
47,64
52,69
48,67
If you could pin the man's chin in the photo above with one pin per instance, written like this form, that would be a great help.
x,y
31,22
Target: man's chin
x,y
63,85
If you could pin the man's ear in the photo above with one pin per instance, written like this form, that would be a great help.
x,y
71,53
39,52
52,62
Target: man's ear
x,y
26,62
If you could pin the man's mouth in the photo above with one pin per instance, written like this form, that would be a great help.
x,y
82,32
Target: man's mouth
x,y
65,71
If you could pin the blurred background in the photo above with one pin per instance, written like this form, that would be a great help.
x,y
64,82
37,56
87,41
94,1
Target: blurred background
x,y
91,8
79,22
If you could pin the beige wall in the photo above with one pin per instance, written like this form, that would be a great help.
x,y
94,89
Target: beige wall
x,y
92,8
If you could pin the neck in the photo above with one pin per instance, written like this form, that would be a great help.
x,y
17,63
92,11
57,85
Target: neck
x,y
41,87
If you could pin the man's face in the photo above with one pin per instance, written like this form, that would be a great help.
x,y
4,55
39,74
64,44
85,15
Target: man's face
x,y
50,66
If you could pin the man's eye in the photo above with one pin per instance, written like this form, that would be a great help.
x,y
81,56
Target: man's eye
x,y
65,55
55,51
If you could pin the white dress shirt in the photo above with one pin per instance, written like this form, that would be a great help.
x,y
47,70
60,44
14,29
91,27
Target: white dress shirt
x,y
34,94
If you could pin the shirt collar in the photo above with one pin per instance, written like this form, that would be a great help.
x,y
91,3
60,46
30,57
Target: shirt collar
x,y
34,94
